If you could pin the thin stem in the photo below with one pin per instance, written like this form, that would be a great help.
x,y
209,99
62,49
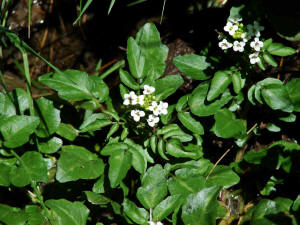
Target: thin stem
x,y
116,66
212,169
41,200
228,150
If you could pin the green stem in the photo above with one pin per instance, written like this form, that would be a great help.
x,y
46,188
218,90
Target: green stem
x,y
41,200
28,81
116,66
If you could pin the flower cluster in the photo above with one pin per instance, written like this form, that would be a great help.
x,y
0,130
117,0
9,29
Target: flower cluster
x,y
241,35
146,104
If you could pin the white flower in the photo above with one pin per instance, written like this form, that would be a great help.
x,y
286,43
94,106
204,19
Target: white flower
x,y
254,58
163,107
256,44
155,108
129,98
148,90
155,223
137,114
231,28
138,100
152,120
235,20
244,37
224,44
238,46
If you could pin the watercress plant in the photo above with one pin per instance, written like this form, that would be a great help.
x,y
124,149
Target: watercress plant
x,y
87,155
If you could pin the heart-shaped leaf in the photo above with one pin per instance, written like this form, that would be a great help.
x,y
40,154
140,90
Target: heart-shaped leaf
x,y
227,126
32,167
153,188
76,162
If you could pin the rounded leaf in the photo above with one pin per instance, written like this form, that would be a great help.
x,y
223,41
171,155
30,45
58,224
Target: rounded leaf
x,y
219,83
76,162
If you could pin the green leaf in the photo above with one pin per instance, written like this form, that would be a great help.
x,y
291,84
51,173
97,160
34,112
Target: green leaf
x,y
35,215
154,52
119,164
4,174
178,134
50,146
190,123
227,126
219,83
140,149
31,167
76,85
88,120
161,149
192,65
222,176
256,157
277,98
128,80
66,212
113,129
165,119
49,117
166,86
200,208
250,94
257,94
7,107
268,212
135,58
12,216
99,185
269,59
235,12
182,102
175,148
21,98
237,82
280,50
292,88
96,125
289,119
96,199
267,43
186,181
76,162
166,207
153,188
261,64
153,143
17,129
111,148
139,160
273,127
197,101
67,131
296,204
137,215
